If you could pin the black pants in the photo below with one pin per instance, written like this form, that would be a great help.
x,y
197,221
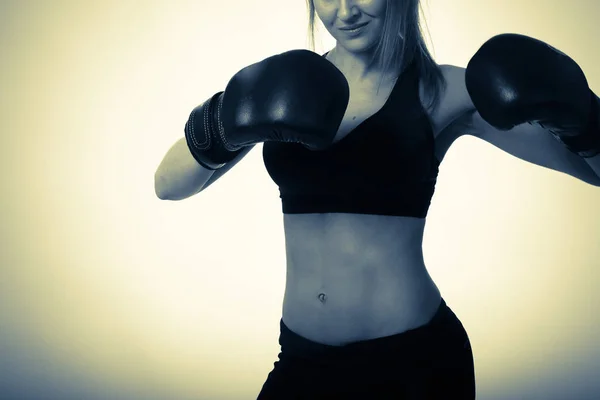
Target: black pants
x,y
434,361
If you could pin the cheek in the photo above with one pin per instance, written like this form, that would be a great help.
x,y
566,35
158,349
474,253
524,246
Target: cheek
x,y
376,28
326,10
325,13
374,8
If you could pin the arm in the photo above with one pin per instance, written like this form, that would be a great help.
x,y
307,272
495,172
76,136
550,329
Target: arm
x,y
266,101
179,175
534,102
536,145
594,161
527,142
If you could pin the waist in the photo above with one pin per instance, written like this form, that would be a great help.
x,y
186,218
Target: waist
x,y
407,341
355,277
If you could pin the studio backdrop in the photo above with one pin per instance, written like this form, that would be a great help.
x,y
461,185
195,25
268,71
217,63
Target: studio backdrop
x,y
107,292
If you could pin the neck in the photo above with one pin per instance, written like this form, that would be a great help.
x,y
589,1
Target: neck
x,y
353,65
356,66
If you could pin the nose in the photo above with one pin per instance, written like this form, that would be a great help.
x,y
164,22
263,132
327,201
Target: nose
x,y
347,11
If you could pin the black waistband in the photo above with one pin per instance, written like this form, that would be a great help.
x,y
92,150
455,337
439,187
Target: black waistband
x,y
295,345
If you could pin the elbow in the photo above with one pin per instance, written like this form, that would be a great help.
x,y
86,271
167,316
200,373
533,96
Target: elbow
x,y
171,189
161,188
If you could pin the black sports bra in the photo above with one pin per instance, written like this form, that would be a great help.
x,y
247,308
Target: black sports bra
x,y
384,166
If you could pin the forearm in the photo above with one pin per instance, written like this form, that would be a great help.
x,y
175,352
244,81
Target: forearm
x,y
179,176
594,163
182,187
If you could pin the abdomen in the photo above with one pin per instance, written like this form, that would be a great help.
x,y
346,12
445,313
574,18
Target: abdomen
x,y
354,277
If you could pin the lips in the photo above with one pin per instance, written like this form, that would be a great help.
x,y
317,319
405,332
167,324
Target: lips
x,y
353,27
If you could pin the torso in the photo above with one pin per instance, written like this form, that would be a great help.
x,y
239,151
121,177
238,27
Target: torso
x,y
353,277
365,100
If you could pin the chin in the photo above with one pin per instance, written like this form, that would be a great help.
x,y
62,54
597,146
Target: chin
x,y
358,45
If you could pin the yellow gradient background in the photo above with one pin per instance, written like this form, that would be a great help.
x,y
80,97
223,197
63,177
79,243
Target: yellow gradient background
x,y
108,293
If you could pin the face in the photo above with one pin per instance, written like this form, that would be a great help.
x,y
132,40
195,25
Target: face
x,y
356,25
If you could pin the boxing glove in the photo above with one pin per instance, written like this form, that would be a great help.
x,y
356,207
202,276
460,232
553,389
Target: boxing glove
x,y
297,96
514,79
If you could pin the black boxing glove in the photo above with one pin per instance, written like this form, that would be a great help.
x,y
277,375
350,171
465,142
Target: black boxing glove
x,y
297,96
514,79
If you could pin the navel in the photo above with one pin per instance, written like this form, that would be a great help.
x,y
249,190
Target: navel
x,y
322,297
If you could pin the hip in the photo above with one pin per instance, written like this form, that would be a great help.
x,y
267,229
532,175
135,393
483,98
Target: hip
x,y
433,361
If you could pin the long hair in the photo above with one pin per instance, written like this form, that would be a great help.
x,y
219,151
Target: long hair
x,y
400,44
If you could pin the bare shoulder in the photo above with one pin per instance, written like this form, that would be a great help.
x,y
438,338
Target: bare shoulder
x,y
454,100
454,109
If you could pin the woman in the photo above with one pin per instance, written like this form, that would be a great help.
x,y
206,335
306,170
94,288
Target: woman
x,y
354,139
